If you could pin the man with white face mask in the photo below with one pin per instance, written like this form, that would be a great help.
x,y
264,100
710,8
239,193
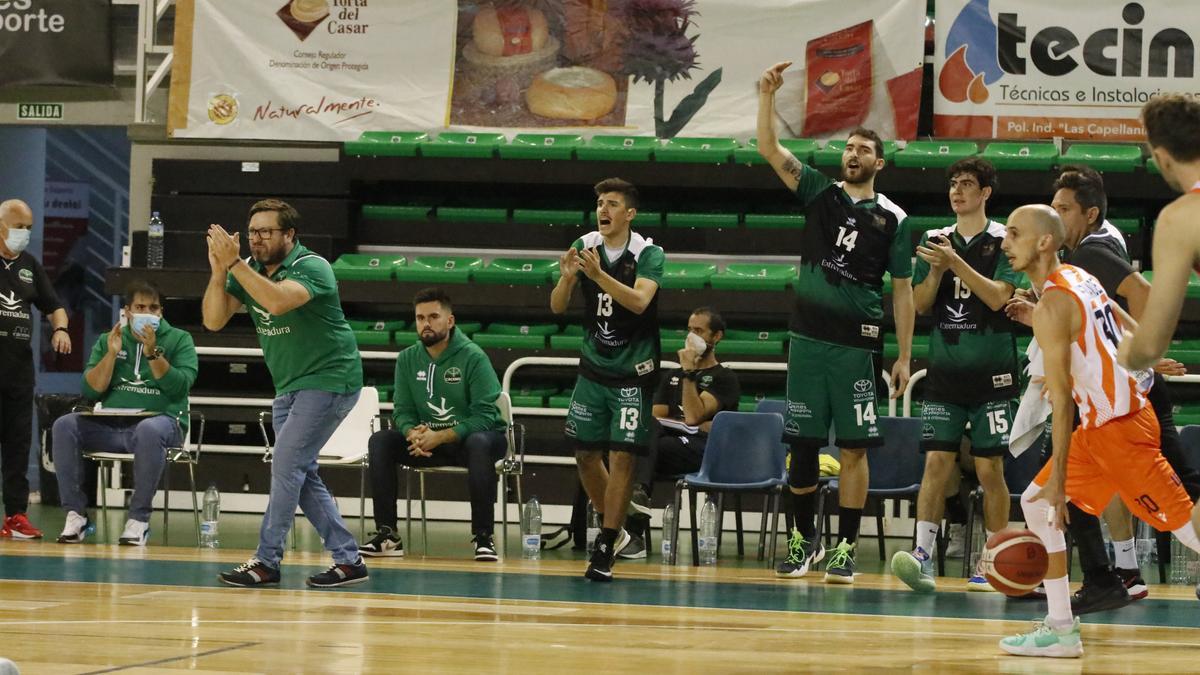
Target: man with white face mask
x,y
23,283
146,365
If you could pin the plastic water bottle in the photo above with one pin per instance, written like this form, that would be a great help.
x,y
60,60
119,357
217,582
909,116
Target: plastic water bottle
x,y
209,529
1108,545
708,533
593,527
154,242
1144,544
669,528
531,530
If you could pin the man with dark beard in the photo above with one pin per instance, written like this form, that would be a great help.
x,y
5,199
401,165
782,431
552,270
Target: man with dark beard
x,y
310,350
445,415
853,237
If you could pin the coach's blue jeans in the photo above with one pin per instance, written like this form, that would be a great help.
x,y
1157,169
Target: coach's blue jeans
x,y
304,421
147,438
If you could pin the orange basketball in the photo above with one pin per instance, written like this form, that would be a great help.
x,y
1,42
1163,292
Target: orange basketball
x,y
1015,561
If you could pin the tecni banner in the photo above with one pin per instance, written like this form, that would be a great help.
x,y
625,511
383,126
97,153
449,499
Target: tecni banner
x,y
1032,69
55,42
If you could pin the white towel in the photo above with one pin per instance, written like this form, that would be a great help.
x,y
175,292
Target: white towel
x,y
1034,410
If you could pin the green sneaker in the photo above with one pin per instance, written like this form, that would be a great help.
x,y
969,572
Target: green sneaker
x,y
915,569
840,569
802,555
1063,643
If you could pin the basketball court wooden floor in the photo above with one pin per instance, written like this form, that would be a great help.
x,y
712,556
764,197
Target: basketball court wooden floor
x,y
100,609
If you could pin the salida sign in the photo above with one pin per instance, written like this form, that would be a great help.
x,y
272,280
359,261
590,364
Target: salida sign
x,y
1022,69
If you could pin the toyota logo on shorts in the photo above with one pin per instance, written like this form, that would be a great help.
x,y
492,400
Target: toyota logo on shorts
x,y
629,392
862,386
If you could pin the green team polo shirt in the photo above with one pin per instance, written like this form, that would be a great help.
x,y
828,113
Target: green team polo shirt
x,y
312,346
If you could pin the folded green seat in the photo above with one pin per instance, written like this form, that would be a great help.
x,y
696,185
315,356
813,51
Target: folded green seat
x,y
1105,156
463,145
831,154
370,332
934,154
548,217
703,220
1186,413
753,342
1186,351
439,269
754,277
396,211
696,150
687,274
515,336
561,400
460,214
408,336
774,221
1005,155
386,144
617,148
801,148
385,392
531,395
522,271
366,267
571,338
1193,287
672,340
541,146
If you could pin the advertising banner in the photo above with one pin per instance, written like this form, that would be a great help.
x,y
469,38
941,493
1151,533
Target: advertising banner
x,y
55,42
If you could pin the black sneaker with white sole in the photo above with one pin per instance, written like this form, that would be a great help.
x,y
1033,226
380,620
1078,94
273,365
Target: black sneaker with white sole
x,y
382,544
1134,583
340,574
253,572
603,554
485,548
636,550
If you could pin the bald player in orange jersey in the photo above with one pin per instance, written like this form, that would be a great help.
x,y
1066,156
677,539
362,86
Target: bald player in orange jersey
x,y
1115,448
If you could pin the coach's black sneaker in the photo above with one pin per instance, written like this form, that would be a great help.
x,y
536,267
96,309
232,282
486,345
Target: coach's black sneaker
x,y
636,550
1096,598
802,555
603,553
840,569
253,572
384,543
1134,583
340,574
485,548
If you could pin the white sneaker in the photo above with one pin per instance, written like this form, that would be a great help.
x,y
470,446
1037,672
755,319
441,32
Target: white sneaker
x,y
136,533
957,546
75,529
35,497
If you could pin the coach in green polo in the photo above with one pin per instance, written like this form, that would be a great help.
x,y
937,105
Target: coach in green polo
x,y
292,298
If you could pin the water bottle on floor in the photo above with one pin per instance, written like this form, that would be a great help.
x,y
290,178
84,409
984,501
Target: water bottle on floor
x,y
1144,544
154,242
209,530
708,533
593,527
531,530
669,528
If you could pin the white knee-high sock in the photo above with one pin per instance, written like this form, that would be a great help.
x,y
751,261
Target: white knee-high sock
x,y
1037,517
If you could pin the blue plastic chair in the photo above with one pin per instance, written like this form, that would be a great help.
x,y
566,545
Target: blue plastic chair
x,y
896,469
745,453
1018,474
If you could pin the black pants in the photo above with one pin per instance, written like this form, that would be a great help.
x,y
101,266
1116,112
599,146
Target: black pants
x,y
16,424
478,453
670,455
1085,528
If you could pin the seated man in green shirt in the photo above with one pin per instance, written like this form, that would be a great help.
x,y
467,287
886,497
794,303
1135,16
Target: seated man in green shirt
x,y
147,365
445,415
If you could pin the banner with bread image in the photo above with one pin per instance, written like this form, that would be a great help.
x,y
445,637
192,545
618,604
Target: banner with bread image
x,y
330,70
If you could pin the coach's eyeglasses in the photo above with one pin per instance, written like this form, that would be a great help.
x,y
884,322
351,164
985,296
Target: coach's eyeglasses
x,y
262,233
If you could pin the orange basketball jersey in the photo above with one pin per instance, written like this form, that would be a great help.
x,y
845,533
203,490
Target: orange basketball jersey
x,y
1102,389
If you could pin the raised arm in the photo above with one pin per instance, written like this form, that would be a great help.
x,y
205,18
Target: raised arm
x,y
1174,253
786,166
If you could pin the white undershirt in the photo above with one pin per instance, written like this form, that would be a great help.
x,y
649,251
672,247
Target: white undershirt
x,y
613,254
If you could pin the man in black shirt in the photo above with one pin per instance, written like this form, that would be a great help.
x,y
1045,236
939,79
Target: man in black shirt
x,y
686,401
1099,249
22,282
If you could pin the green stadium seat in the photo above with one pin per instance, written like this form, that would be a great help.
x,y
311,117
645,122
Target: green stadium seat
x,y
366,267
560,401
643,219
777,335
374,332
1193,287
515,336
386,144
831,154
672,340
570,338
934,154
1026,156
696,150
385,392
517,271
754,277
801,148
531,395
1186,351
1127,226
1105,156
464,145
687,274
439,269
1186,413
541,146
703,220
458,214
618,148
396,212
775,221
750,347
548,217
